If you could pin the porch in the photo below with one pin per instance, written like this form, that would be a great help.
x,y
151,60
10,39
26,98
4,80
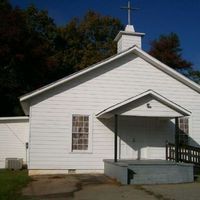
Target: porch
x,y
142,126
148,171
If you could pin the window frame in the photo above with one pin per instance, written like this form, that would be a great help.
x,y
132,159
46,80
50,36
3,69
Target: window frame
x,y
182,140
90,132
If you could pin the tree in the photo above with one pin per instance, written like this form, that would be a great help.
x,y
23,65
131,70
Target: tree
x,y
11,33
194,75
88,40
26,54
167,50
34,51
40,64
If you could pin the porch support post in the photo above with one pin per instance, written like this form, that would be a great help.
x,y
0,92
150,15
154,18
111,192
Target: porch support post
x,y
176,140
115,139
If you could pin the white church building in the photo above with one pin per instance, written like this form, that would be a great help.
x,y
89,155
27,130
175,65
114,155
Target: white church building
x,y
126,107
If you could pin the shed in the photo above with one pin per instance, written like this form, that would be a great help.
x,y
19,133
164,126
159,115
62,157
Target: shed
x,y
14,134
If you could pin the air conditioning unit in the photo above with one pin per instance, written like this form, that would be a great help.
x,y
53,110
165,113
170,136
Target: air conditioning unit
x,y
14,163
71,171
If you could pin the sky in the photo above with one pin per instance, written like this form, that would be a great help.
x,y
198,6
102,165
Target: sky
x,y
154,17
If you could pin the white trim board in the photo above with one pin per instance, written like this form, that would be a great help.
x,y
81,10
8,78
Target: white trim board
x,y
17,118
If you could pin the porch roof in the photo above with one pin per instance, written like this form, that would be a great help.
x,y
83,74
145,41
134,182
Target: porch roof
x,y
146,104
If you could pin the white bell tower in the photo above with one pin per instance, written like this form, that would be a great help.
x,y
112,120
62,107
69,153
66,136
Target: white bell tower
x,y
128,38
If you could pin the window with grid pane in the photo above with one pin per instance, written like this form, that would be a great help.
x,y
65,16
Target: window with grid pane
x,y
184,130
80,132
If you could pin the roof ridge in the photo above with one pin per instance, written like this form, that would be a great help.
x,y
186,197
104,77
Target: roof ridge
x,y
138,51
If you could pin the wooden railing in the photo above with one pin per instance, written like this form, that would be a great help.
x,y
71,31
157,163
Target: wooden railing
x,y
186,153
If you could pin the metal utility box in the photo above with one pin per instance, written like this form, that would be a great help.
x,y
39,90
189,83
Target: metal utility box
x,y
14,163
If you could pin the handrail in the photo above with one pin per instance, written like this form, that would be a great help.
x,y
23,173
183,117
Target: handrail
x,y
186,153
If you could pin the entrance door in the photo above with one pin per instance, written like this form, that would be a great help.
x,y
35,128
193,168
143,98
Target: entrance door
x,y
132,131
143,137
132,137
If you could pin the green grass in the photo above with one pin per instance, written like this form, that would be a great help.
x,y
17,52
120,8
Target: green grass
x,y
197,178
11,183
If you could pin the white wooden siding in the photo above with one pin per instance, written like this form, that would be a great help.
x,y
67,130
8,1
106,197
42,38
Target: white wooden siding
x,y
141,136
140,108
127,41
13,136
50,112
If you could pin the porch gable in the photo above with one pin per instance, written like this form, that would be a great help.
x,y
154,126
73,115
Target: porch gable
x,y
146,104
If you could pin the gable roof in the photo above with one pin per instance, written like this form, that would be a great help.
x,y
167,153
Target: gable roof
x,y
155,95
74,75
136,50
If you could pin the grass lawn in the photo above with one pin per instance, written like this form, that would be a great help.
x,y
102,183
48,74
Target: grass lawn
x,y
197,179
11,183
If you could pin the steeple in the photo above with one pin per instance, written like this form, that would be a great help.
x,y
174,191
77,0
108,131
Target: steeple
x,y
128,38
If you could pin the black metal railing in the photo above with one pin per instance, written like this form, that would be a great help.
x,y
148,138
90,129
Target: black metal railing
x,y
186,153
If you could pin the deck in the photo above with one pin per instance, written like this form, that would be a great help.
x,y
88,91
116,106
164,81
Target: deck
x,y
148,171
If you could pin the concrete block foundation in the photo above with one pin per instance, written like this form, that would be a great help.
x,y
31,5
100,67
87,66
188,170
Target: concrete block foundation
x,y
149,171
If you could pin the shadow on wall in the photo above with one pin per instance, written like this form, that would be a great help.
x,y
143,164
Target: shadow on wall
x,y
192,142
137,133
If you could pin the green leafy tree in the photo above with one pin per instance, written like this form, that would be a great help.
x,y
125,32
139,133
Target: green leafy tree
x,y
194,75
26,54
88,40
11,34
34,51
39,64
167,49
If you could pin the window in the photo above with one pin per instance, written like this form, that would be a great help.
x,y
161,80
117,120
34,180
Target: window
x,y
80,132
183,130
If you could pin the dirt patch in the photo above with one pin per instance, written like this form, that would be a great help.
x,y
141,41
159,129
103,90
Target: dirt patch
x,y
98,187
56,177
60,186
94,179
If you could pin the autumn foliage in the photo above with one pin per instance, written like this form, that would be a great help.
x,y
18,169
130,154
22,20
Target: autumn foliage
x,y
34,51
167,49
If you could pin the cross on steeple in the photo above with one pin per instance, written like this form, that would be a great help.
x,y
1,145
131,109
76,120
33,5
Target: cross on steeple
x,y
129,8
